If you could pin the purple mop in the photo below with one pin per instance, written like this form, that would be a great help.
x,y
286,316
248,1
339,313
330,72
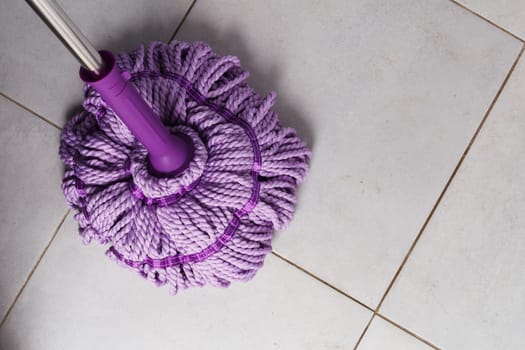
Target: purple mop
x,y
179,166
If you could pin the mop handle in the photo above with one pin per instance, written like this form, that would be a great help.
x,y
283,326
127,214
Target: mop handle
x,y
169,154
64,28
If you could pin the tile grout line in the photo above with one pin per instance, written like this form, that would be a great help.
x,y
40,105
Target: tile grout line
x,y
452,176
322,281
374,313
35,114
429,217
406,330
487,20
53,236
364,331
183,20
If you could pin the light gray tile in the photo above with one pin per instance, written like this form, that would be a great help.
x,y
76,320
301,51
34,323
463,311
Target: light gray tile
x,y
509,14
31,203
79,299
387,93
36,70
464,284
382,335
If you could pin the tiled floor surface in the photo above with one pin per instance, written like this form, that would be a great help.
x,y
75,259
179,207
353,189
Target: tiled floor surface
x,y
409,232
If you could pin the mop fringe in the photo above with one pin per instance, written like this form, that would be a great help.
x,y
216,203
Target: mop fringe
x,y
212,224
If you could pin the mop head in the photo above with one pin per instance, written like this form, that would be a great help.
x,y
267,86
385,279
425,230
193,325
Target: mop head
x,y
211,224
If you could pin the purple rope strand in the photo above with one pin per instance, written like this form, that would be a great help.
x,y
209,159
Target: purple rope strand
x,y
174,260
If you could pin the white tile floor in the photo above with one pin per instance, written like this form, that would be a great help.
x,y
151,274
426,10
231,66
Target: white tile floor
x,y
389,94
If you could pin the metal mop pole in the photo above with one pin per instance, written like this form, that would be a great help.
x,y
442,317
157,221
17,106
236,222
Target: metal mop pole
x,y
169,154
64,28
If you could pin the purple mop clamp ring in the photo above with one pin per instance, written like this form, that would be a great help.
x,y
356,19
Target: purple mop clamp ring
x,y
169,154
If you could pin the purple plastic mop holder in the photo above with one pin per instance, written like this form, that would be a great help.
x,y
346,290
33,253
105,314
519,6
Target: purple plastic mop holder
x,y
169,154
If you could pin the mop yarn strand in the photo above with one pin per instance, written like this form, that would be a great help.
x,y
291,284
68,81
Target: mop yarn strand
x,y
211,224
